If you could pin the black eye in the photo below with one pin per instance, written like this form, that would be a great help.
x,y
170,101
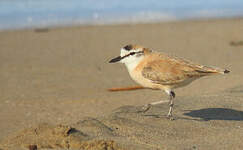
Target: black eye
x,y
132,53
128,47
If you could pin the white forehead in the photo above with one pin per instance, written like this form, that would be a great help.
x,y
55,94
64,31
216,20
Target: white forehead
x,y
125,52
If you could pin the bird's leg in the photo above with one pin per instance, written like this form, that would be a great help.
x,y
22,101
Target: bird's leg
x,y
172,96
148,106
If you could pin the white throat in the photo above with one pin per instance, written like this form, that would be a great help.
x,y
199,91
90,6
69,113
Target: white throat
x,y
132,62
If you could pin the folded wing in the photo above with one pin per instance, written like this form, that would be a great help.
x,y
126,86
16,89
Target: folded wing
x,y
169,70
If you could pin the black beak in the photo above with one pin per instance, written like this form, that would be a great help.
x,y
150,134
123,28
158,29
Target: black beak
x,y
115,59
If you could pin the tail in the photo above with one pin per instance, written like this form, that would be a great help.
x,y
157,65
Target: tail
x,y
226,71
212,70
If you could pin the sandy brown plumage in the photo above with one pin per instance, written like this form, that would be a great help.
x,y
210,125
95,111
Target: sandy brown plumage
x,y
173,71
160,71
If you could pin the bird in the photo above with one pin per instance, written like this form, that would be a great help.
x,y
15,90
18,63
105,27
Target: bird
x,y
161,71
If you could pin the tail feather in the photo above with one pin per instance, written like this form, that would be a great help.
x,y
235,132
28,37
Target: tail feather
x,y
221,71
212,70
226,71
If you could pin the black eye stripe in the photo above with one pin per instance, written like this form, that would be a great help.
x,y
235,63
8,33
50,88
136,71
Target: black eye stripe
x,y
132,53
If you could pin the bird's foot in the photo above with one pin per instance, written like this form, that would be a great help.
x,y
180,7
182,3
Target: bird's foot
x,y
145,108
169,116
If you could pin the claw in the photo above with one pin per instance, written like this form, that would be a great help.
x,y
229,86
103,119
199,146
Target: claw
x,y
145,108
170,117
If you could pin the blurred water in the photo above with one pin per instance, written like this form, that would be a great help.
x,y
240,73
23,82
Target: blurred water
x,y
42,13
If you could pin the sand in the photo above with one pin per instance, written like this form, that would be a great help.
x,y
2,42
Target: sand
x,y
54,81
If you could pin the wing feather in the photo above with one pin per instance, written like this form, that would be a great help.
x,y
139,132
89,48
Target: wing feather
x,y
170,70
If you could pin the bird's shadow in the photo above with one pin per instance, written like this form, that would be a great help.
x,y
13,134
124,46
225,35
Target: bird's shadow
x,y
216,114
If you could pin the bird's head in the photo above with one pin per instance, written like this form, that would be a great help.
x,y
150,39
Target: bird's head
x,y
129,54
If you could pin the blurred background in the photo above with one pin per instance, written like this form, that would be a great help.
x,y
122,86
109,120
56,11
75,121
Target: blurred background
x,y
15,14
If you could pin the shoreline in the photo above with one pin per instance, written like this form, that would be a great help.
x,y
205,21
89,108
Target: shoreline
x,y
74,25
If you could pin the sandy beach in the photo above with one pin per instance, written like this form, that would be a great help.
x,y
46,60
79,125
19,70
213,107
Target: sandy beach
x,y
54,88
